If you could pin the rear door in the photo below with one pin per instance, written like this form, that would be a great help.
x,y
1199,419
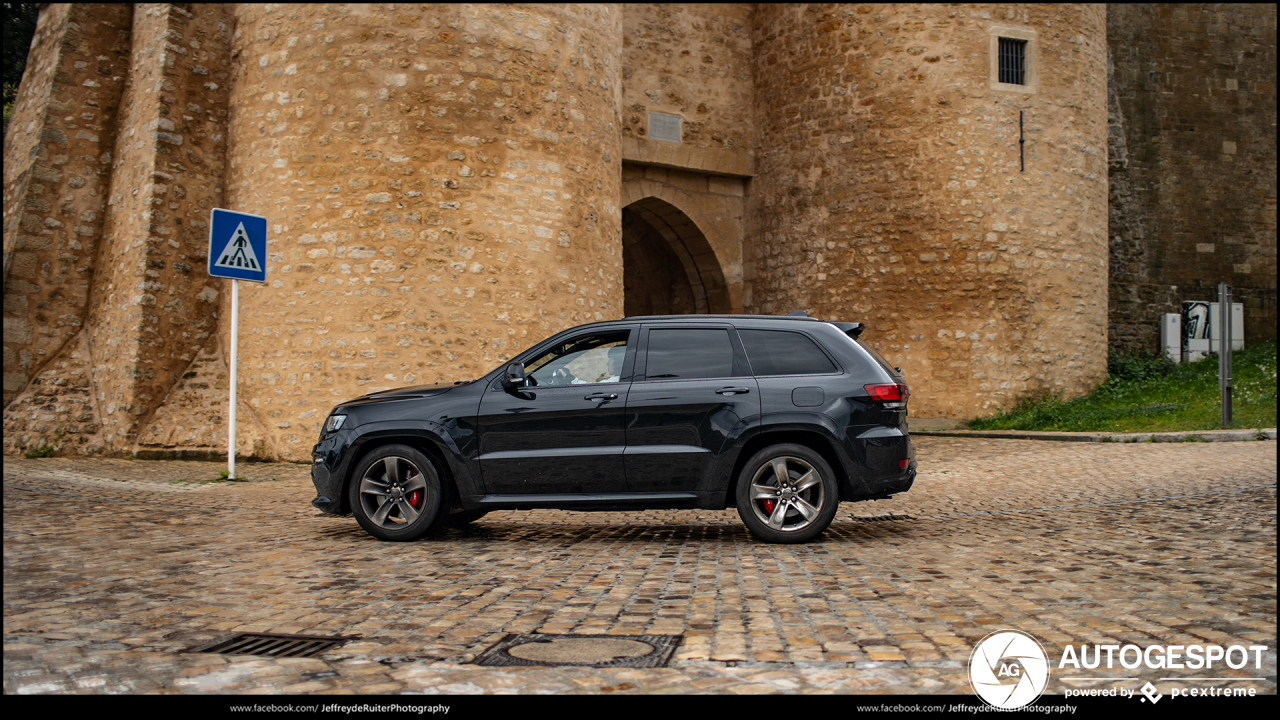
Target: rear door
x,y
692,392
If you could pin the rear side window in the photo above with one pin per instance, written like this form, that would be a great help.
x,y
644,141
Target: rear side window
x,y
777,352
893,372
684,354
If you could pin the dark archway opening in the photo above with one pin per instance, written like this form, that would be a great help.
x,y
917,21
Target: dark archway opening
x,y
668,267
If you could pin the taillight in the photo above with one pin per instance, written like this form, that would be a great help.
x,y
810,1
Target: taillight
x,y
896,393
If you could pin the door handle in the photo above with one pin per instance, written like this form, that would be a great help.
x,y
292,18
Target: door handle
x,y
733,390
601,396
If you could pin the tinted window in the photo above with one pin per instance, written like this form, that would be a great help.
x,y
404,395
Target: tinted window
x,y
582,360
775,352
686,354
893,372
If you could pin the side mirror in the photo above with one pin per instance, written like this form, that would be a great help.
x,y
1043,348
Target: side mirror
x,y
513,376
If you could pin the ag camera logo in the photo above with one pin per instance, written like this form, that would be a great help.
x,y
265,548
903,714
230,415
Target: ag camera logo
x,y
1008,669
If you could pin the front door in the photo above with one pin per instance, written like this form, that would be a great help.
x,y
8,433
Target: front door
x,y
563,432
693,393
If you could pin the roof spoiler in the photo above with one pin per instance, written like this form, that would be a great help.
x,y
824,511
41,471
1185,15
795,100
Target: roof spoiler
x,y
853,330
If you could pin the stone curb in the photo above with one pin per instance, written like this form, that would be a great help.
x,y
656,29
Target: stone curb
x,y
1094,437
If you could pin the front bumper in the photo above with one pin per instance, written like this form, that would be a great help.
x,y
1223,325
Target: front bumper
x,y
326,476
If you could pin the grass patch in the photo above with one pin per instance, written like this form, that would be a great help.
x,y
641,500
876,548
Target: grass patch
x,y
1147,393
41,452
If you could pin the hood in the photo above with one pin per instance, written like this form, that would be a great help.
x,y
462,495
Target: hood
x,y
404,393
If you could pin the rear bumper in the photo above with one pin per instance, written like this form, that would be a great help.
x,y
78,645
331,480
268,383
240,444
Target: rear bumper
x,y
902,484
875,470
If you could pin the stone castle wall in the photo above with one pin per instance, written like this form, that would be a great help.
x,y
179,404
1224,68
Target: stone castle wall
x,y
890,191
446,185
57,174
692,60
1193,163
153,306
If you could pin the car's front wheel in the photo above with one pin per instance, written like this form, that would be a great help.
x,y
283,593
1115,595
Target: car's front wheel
x,y
787,494
396,493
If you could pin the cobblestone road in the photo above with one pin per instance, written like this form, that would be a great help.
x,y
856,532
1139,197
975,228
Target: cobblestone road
x,y
114,568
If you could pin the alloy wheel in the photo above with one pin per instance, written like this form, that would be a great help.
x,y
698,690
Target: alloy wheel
x,y
392,492
787,494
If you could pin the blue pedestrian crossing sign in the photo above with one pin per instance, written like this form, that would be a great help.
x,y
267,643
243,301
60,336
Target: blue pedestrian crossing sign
x,y
237,246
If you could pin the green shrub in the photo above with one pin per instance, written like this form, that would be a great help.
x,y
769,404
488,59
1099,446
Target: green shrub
x,y
40,452
1146,392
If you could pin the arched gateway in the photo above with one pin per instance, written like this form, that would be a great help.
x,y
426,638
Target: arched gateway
x,y
669,265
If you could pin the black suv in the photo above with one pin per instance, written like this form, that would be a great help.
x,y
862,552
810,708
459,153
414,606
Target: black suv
x,y
782,417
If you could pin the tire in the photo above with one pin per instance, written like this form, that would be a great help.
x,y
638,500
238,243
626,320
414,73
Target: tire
x,y
803,507
401,506
465,517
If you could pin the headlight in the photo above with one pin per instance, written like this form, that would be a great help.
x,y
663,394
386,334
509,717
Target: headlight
x,y
334,423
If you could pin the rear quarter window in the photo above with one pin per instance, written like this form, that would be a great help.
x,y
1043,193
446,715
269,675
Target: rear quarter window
x,y
893,372
780,352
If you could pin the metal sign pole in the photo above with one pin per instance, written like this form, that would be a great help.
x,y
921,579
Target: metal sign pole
x,y
1224,351
235,342
237,251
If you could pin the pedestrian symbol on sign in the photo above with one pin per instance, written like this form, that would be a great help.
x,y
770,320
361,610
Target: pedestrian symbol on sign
x,y
239,252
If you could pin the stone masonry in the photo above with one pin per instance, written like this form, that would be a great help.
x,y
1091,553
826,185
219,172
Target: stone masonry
x,y
447,184
442,191
153,306
58,156
1192,163
893,193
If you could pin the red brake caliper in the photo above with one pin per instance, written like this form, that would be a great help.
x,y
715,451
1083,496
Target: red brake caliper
x,y
415,496
768,506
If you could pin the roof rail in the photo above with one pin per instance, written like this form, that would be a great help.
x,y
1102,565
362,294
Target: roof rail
x,y
721,316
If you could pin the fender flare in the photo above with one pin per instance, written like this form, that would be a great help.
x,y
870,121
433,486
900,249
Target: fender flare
x,y
821,425
371,434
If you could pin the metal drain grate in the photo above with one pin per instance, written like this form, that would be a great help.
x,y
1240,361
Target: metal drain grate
x,y
645,651
273,645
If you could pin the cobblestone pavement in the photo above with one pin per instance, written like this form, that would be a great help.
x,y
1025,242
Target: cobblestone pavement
x,y
114,568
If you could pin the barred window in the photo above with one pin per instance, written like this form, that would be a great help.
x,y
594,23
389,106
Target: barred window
x,y
1013,61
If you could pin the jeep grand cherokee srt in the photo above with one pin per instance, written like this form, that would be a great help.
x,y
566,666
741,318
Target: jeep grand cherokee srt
x,y
780,417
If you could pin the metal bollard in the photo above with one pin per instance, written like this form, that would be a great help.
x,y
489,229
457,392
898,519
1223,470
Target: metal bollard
x,y
1224,351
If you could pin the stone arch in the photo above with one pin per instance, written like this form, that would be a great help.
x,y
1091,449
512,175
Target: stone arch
x,y
661,227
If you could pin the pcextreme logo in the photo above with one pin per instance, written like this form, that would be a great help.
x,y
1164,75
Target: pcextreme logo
x,y
1008,669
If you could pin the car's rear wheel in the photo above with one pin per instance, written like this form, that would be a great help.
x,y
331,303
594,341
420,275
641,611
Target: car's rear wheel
x,y
396,493
787,494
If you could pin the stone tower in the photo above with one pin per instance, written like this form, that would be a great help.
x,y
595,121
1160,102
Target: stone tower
x,y
891,191
442,189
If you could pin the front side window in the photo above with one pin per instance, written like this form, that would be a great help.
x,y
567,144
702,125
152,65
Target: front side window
x,y
777,352
583,360
689,353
